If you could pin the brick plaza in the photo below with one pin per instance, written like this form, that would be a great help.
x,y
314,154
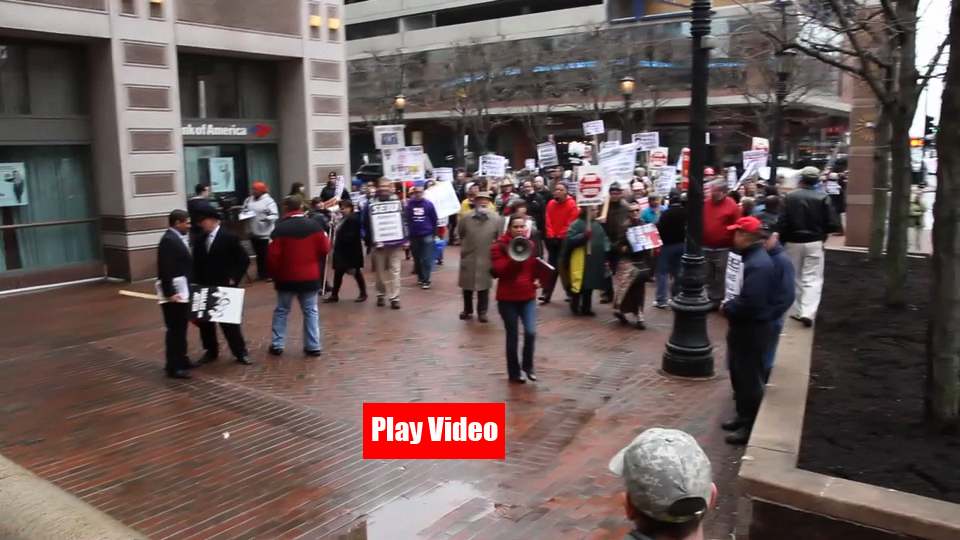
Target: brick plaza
x,y
273,450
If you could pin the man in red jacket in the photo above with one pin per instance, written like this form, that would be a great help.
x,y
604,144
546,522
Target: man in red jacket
x,y
719,213
297,246
516,299
561,212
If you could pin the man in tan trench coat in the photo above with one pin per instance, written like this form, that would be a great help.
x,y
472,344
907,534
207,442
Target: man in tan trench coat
x,y
478,230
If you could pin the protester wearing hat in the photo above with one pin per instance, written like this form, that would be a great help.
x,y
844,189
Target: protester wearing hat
x,y
783,293
329,191
806,219
719,213
260,226
672,227
614,224
506,198
478,230
750,314
669,485
219,260
561,212
632,272
637,191
422,222
385,257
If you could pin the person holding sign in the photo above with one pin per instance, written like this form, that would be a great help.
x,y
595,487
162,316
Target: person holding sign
x,y
387,236
516,298
175,266
634,269
750,314
348,252
329,191
264,214
584,267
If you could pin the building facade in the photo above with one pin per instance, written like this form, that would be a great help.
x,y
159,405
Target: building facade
x,y
505,75
112,111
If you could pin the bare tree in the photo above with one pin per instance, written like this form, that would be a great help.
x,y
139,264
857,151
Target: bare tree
x,y
374,84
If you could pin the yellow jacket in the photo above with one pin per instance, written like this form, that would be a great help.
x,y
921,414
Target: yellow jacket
x,y
465,207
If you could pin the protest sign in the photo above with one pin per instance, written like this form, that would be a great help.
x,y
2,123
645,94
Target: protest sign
x,y
647,141
493,166
530,164
357,198
685,169
608,145
404,164
759,143
593,127
732,182
388,137
444,198
754,158
217,304
386,222
734,276
590,188
832,187
341,185
618,163
644,237
666,181
443,174
547,154
658,158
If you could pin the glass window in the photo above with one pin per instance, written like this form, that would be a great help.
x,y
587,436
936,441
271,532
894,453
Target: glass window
x,y
13,80
56,80
57,187
251,163
227,88
257,98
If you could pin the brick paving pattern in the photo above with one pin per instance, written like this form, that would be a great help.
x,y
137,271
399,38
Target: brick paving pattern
x,y
273,450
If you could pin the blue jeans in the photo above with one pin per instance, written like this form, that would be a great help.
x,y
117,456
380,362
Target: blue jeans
x,y
311,319
512,314
422,248
668,264
775,331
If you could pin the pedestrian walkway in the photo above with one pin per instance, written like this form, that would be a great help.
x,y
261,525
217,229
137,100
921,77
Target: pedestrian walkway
x,y
273,450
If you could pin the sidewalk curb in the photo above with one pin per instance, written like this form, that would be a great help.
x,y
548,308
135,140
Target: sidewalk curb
x,y
33,509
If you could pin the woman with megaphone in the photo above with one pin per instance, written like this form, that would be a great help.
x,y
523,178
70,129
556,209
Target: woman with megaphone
x,y
514,263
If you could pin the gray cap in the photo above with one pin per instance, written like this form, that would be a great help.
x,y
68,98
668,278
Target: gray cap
x,y
810,172
667,475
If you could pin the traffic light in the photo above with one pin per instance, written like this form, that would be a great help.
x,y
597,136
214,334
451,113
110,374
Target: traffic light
x,y
929,132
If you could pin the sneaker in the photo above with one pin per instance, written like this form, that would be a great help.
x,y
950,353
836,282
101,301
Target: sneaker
x,y
395,304
275,351
531,376
331,300
361,298
806,322
381,301
313,353
425,285
464,316
660,304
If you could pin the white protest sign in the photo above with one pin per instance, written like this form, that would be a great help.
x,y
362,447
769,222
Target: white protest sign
x,y
388,137
666,181
444,198
755,158
759,143
593,127
832,187
495,166
386,222
732,182
618,163
547,154
644,237
748,172
530,164
443,174
734,276
658,158
607,145
341,185
404,164
590,185
217,304
647,141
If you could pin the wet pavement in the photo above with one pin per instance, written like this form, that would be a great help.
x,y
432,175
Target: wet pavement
x,y
273,450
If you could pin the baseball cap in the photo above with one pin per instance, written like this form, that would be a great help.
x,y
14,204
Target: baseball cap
x,y
748,224
810,171
667,475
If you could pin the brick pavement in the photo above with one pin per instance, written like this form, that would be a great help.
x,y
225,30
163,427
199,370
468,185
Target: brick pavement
x,y
273,450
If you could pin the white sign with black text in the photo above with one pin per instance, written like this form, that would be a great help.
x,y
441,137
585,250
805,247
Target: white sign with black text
x,y
593,127
494,166
647,141
217,304
386,220
734,276
388,137
547,154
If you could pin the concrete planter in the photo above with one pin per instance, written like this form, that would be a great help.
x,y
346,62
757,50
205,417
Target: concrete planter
x,y
793,504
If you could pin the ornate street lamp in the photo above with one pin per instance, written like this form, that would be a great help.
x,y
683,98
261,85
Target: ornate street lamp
x,y
785,59
688,352
626,88
399,103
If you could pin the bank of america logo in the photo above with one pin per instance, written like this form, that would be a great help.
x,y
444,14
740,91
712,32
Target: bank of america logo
x,y
260,130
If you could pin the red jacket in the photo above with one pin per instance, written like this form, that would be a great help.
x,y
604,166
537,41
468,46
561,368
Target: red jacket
x,y
515,279
559,217
297,247
716,218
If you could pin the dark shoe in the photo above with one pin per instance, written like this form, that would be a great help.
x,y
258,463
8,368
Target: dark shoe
x,y
733,425
605,299
381,301
660,305
519,380
482,317
245,360
179,374
544,301
589,313
806,322
621,317
273,351
738,437
531,376
331,300
313,353
440,262
361,298
425,286
641,325
394,304
464,316
207,358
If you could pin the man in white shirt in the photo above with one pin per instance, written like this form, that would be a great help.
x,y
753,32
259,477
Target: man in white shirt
x,y
261,224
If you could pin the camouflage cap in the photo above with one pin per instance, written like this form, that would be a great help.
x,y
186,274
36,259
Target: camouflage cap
x,y
667,475
810,172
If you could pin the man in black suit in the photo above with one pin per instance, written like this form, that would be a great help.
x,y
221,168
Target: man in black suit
x,y
219,260
174,261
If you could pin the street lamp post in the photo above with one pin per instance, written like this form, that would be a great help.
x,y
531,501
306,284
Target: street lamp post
x,y
399,103
784,68
688,352
626,88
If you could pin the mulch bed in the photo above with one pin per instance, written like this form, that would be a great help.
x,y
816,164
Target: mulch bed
x,y
864,417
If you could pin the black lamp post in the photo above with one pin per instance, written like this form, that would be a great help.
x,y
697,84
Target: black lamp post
x,y
784,69
626,88
689,352
399,103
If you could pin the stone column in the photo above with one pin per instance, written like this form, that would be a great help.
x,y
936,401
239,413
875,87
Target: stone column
x,y
863,117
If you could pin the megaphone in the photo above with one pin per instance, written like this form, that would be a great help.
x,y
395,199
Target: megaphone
x,y
520,249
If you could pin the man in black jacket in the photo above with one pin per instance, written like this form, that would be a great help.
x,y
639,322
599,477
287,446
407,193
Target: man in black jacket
x,y
175,268
672,227
537,209
329,191
806,218
750,314
200,199
219,260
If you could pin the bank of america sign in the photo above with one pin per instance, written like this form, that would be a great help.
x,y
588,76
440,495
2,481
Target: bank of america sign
x,y
210,130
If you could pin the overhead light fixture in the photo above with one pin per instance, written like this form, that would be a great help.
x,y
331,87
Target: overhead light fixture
x,y
156,1
333,23
315,21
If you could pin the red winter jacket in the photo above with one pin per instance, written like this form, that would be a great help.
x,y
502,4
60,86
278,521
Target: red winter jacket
x,y
716,218
297,246
559,217
515,279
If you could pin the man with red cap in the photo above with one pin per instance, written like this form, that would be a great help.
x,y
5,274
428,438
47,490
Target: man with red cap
x,y
750,312
261,224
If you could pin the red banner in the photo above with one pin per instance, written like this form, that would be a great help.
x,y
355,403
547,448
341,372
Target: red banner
x,y
434,431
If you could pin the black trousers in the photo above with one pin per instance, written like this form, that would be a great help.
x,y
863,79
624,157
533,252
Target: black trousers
x,y
338,281
176,318
613,259
260,250
232,333
553,245
452,227
582,302
747,344
483,302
